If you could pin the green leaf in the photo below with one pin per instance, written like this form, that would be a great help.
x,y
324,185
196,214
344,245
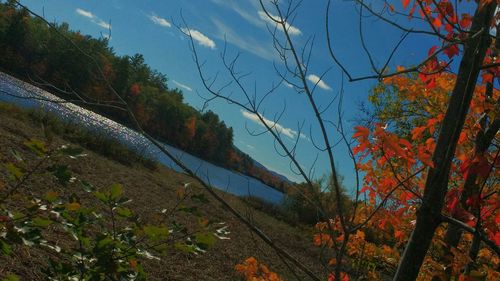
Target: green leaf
x,y
36,146
11,277
101,196
104,241
61,172
87,186
116,191
41,222
156,232
6,249
204,240
185,248
14,171
124,212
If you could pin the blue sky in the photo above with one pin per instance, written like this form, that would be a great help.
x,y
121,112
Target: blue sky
x,y
148,27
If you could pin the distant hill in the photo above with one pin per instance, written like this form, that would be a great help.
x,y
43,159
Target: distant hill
x,y
280,176
262,167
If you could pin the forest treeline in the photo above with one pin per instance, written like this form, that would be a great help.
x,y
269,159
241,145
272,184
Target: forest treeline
x,y
34,51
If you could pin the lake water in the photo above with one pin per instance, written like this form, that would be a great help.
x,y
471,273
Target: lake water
x,y
26,95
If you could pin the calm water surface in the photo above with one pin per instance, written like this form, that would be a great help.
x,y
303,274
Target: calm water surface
x,y
25,95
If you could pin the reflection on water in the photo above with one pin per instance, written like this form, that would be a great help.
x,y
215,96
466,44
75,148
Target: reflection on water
x,y
23,94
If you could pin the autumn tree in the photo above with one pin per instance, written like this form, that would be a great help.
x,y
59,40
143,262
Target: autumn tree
x,y
465,37
407,178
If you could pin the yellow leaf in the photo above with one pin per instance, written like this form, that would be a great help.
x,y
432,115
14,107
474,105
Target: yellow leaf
x,y
73,206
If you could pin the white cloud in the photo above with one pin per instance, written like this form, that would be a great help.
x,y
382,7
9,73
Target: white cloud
x,y
102,24
317,81
199,37
84,13
292,30
93,18
183,86
243,12
279,128
246,43
159,20
250,146
288,85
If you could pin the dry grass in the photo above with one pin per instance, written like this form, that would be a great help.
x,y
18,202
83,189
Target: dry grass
x,y
151,191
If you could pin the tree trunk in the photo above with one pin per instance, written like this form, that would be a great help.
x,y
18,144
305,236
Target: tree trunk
x,y
483,142
428,216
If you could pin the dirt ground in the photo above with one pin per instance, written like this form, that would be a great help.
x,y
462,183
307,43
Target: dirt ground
x,y
152,191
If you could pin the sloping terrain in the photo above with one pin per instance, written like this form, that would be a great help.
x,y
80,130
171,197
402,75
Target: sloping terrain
x,y
151,191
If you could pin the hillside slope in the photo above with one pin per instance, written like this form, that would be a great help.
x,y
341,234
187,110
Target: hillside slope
x,y
151,191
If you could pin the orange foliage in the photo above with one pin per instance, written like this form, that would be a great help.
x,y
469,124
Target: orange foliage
x,y
386,159
190,127
253,271
135,89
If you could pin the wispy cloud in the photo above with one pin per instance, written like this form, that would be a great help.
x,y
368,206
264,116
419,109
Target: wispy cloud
x,y
279,128
271,19
159,20
84,13
93,18
199,37
317,81
183,86
246,13
246,43
260,18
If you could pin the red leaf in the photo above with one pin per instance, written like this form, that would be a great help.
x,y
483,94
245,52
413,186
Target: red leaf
x,y
437,23
451,51
482,166
364,189
361,132
398,234
497,238
487,77
466,21
425,158
405,3
432,50
462,138
479,165
448,28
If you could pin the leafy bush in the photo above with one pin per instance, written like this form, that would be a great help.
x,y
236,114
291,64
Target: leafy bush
x,y
103,241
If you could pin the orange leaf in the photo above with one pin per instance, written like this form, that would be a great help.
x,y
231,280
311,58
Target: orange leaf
x,y
398,234
417,132
437,23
